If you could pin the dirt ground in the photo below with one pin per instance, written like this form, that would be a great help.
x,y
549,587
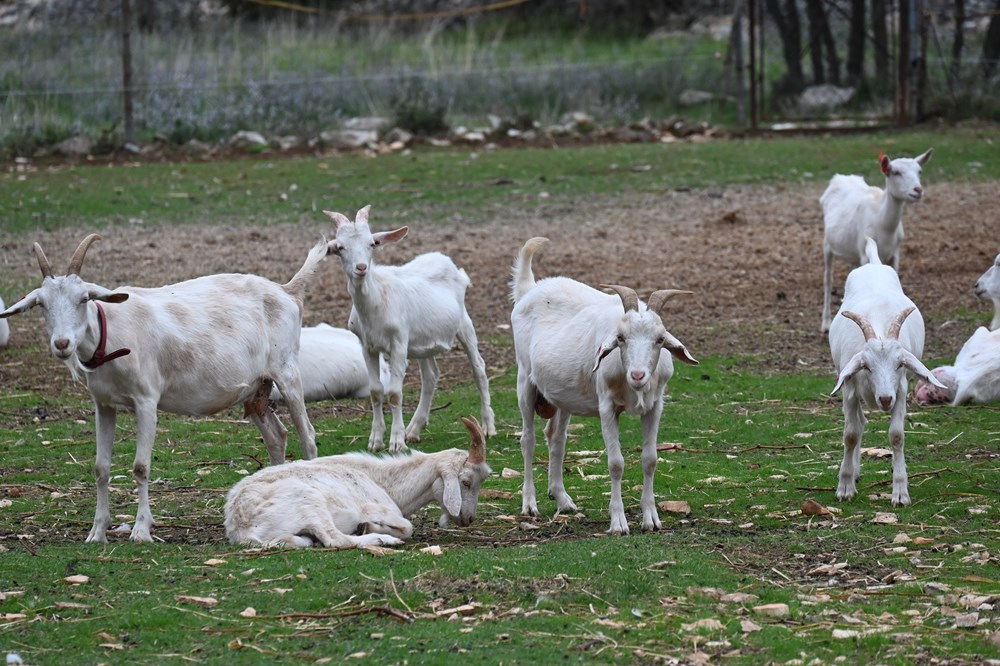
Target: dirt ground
x,y
752,254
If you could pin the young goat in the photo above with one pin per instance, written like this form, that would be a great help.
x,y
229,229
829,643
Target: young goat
x,y
854,210
872,367
988,289
355,499
332,365
401,312
195,347
583,352
975,377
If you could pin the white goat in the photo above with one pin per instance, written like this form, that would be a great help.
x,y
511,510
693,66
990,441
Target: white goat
x,y
332,365
565,333
416,311
195,347
988,289
4,328
975,377
872,369
355,499
854,210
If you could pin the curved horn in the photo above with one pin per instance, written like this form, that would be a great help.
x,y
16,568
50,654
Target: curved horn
x,y
863,322
477,448
630,299
660,296
897,323
43,261
76,263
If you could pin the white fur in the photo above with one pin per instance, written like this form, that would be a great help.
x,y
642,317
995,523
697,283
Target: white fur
x,y
197,347
873,373
4,328
988,289
355,499
854,210
414,311
975,377
562,331
332,365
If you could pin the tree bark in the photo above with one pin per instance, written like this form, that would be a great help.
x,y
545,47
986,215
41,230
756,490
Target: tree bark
x,y
856,43
991,44
790,29
880,33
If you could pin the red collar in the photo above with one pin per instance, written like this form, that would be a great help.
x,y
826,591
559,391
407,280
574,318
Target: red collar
x,y
100,357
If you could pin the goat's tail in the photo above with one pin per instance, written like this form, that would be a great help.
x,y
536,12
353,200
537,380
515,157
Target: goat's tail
x,y
521,277
871,251
296,286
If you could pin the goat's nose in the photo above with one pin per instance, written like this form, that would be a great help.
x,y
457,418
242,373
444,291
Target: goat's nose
x,y
62,344
886,402
638,375
361,267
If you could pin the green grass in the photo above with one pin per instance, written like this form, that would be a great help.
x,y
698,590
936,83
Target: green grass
x,y
753,449
467,184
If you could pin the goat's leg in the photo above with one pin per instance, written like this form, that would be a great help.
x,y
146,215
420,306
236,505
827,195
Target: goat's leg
x,y
526,396
381,519
467,336
275,435
428,383
145,428
377,392
616,467
290,384
827,286
394,395
854,427
555,436
105,417
650,427
900,483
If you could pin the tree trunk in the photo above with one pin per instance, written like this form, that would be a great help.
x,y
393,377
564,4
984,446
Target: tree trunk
x,y
789,27
957,45
856,44
880,33
814,11
991,44
832,59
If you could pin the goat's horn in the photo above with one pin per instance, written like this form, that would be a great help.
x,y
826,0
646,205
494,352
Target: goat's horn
x,y
630,299
863,322
477,449
43,261
660,296
76,263
897,323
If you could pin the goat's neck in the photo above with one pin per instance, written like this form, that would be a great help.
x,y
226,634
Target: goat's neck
x,y
92,335
364,290
890,212
995,324
409,480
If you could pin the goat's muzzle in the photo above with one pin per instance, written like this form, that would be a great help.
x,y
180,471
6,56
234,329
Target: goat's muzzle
x,y
885,403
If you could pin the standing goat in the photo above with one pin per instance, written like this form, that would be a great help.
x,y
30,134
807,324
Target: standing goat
x,y
854,210
872,366
988,289
583,352
195,347
401,312
355,499
975,377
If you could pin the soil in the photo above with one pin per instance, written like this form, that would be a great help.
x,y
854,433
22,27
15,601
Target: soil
x,y
751,254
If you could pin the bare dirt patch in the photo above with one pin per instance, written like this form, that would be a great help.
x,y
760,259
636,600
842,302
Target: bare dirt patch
x,y
751,254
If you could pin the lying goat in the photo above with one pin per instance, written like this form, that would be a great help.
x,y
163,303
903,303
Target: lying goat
x,y
583,352
195,347
988,289
975,377
355,499
877,337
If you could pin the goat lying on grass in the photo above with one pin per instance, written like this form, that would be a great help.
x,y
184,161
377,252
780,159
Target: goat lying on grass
x,y
975,377
876,340
988,289
195,347
583,352
355,499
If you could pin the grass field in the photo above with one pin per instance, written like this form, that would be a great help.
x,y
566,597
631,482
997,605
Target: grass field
x,y
746,576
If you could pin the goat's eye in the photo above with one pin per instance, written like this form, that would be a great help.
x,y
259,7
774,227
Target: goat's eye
x,y
864,366
660,341
620,338
467,483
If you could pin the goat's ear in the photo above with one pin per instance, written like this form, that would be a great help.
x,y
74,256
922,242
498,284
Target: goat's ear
x,y
926,157
913,364
333,247
113,298
338,218
848,371
25,303
452,497
609,345
99,293
383,237
678,350
883,160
